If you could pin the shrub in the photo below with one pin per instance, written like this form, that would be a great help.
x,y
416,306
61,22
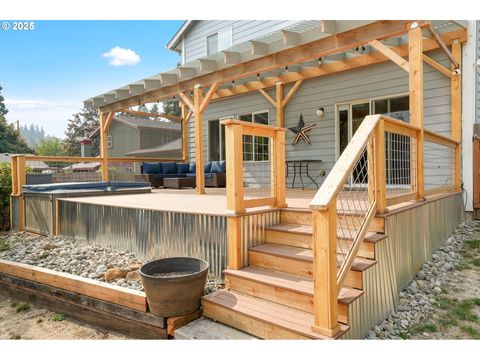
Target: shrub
x,y
5,191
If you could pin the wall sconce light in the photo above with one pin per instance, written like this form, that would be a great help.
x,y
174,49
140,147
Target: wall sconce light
x,y
320,112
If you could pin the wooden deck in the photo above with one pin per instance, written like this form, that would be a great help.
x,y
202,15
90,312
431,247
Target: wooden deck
x,y
188,201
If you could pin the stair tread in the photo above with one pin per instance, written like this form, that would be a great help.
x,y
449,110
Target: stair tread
x,y
308,230
297,283
267,311
301,254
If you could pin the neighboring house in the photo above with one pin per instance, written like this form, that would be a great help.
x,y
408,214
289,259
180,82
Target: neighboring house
x,y
141,137
34,166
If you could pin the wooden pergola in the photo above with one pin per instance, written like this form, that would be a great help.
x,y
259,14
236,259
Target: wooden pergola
x,y
196,92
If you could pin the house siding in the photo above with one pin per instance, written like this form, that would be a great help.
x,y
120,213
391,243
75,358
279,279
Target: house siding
x,y
373,81
124,139
242,30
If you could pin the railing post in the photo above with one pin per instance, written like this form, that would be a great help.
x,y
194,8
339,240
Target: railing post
x,y
14,171
325,271
456,118
278,176
235,196
21,180
104,144
415,59
380,171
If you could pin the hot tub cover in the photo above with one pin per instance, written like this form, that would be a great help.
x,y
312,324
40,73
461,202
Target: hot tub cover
x,y
75,186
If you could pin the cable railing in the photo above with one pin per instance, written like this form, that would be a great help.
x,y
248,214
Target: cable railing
x,y
37,170
255,166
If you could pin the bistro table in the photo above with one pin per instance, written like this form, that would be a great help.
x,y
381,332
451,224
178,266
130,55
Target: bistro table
x,y
303,170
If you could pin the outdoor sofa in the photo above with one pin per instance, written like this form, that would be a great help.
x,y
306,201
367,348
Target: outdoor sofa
x,y
154,173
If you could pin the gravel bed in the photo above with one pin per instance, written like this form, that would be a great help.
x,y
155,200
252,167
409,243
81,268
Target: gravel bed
x,y
79,258
417,299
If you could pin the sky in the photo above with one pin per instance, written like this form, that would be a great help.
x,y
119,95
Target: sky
x,y
47,72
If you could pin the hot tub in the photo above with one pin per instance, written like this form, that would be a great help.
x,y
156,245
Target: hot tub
x,y
40,200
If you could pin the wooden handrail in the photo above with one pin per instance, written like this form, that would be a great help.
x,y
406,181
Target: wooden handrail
x,y
342,169
96,159
440,139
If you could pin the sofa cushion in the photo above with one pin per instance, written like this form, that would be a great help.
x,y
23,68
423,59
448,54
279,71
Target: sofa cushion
x,y
218,166
169,168
207,167
192,168
183,168
152,168
190,174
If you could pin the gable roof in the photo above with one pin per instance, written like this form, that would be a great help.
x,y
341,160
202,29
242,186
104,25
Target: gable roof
x,y
144,123
172,147
175,40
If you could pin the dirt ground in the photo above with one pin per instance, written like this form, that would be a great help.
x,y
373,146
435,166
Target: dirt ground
x,y
20,320
457,313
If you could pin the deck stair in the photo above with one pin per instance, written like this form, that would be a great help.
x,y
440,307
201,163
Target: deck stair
x,y
272,298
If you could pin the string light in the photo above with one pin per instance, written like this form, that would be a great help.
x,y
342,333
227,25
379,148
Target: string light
x,y
233,82
286,69
319,61
258,76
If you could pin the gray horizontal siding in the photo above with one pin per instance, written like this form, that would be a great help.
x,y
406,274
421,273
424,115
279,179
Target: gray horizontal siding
x,y
370,82
243,30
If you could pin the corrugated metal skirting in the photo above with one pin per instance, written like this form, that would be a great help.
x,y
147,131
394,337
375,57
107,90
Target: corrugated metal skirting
x,y
15,215
413,236
154,234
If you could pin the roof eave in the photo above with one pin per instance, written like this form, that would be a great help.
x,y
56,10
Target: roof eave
x,y
172,44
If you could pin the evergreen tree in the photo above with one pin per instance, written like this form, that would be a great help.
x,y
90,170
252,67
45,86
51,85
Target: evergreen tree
x,y
82,125
3,108
171,108
155,109
10,140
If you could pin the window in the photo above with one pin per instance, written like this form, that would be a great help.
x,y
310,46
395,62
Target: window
x,y
255,148
216,139
212,44
109,141
219,41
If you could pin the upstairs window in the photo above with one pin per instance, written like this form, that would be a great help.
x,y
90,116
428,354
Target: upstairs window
x,y
219,41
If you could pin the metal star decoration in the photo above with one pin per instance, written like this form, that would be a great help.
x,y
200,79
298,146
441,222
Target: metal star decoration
x,y
301,131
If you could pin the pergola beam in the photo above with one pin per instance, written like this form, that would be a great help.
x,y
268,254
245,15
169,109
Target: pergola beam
x,y
443,46
186,100
268,97
334,67
143,113
437,66
389,53
344,41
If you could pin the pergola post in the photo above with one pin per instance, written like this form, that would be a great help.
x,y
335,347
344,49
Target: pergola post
x,y
199,153
415,59
456,111
279,103
184,130
105,120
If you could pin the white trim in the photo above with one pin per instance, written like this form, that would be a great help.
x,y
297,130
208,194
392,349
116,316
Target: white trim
x,y
356,102
468,110
180,32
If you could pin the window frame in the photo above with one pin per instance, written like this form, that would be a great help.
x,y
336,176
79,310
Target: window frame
x,y
220,135
109,141
252,116
217,33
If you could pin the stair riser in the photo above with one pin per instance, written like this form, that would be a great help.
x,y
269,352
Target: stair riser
x,y
305,218
300,301
297,267
366,249
253,326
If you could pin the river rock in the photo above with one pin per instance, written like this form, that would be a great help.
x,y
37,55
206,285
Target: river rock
x,y
115,273
133,276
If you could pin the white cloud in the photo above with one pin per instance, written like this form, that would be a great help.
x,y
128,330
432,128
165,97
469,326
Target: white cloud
x,y
120,57
24,104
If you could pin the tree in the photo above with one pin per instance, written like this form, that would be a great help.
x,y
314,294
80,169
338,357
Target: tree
x,y
82,125
155,109
50,146
171,108
10,140
3,108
